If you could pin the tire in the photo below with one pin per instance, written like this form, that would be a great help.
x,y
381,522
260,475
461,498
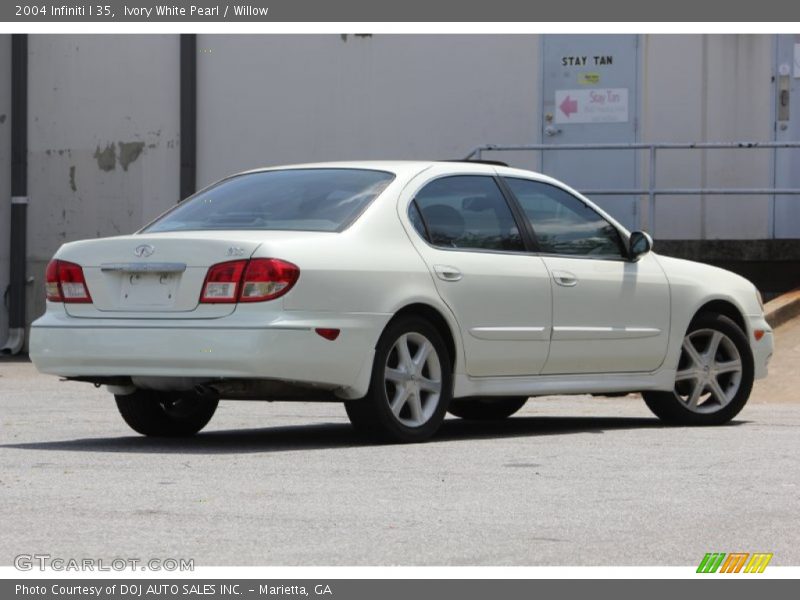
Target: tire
x,y
716,359
166,414
419,392
486,408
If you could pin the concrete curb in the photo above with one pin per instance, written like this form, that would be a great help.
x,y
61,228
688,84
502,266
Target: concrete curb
x,y
783,308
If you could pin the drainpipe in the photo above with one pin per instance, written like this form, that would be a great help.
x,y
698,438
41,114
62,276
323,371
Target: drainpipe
x,y
188,115
19,194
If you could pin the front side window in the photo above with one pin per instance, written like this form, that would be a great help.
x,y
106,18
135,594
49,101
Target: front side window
x,y
563,223
466,211
290,199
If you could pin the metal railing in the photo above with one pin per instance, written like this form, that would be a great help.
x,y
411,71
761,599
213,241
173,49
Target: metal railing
x,y
651,191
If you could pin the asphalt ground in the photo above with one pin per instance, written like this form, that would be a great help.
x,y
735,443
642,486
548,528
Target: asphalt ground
x,y
568,481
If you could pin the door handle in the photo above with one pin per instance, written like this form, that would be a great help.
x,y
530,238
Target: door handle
x,y
784,85
565,278
447,273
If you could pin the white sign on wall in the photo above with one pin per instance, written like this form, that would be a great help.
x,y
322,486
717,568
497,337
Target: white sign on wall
x,y
596,105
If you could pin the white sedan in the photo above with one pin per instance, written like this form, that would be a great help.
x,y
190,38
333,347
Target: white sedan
x,y
403,289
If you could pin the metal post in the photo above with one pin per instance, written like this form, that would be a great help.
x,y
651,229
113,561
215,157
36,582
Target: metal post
x,y
772,200
19,194
651,194
188,115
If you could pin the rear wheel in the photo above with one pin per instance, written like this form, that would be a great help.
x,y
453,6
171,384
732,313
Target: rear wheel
x,y
714,376
410,386
166,414
486,408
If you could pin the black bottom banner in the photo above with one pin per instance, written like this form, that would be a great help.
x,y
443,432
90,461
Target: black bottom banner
x,y
387,589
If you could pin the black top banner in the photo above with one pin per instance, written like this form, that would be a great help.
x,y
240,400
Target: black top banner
x,y
744,11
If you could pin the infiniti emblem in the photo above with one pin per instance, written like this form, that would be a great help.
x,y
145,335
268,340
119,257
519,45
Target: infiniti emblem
x,y
144,250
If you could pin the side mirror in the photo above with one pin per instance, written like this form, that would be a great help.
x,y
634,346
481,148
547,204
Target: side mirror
x,y
639,244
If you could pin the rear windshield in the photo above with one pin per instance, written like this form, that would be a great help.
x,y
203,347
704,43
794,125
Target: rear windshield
x,y
293,199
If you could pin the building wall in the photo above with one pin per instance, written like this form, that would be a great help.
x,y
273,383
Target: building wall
x,y
5,176
714,88
308,98
103,139
267,100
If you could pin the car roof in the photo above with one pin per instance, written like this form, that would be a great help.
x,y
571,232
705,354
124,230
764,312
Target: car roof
x,y
393,166
409,168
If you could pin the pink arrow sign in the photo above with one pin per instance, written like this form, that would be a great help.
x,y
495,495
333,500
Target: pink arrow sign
x,y
568,106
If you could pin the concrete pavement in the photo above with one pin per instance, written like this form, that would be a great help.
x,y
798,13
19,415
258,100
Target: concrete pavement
x,y
569,481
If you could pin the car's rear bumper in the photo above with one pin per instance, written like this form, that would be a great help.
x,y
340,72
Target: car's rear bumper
x,y
286,348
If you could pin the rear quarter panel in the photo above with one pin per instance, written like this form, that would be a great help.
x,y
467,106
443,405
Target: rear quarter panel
x,y
369,268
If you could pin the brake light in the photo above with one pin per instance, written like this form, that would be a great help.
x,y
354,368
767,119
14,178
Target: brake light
x,y
64,282
267,279
256,280
222,282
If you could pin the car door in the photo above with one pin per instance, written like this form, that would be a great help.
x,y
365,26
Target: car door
x,y
464,229
610,314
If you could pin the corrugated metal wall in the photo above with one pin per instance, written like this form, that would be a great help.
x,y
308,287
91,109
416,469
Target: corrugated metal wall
x,y
714,88
266,100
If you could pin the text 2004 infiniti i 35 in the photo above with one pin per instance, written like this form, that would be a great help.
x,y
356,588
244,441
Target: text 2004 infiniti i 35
x,y
405,290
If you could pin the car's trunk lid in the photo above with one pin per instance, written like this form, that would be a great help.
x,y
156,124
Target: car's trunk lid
x,y
154,275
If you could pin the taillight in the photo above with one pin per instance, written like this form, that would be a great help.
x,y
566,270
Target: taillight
x,y
64,282
255,280
222,282
51,287
267,279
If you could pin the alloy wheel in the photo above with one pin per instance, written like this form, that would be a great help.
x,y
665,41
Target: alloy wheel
x,y
709,371
413,379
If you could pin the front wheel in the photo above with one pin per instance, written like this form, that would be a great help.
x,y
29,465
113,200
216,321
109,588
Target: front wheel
x,y
410,387
714,377
486,408
166,414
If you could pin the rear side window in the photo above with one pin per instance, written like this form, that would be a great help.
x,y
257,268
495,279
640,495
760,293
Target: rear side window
x,y
292,199
563,223
465,211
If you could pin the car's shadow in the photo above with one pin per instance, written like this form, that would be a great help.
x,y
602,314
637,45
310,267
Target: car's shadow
x,y
337,435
